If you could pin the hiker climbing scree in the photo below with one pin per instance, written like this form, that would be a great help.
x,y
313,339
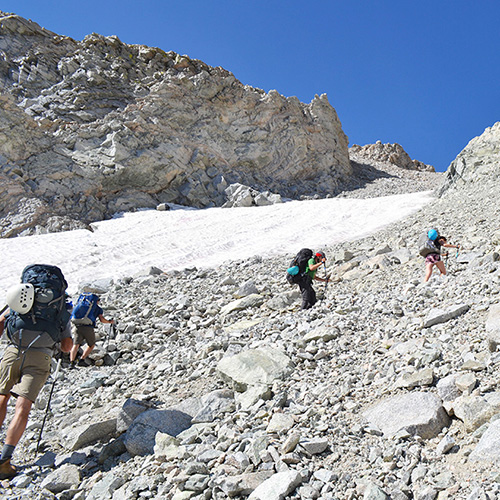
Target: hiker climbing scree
x,y
430,245
36,323
302,272
84,318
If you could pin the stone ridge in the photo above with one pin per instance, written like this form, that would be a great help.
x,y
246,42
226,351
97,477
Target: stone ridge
x,y
391,153
477,162
97,126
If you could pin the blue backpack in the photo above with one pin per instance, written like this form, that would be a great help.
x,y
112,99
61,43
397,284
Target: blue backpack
x,y
48,312
86,309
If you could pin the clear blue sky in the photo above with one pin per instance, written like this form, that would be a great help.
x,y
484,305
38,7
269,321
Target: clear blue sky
x,y
425,74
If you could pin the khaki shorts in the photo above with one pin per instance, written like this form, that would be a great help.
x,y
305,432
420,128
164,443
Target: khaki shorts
x,y
28,382
84,334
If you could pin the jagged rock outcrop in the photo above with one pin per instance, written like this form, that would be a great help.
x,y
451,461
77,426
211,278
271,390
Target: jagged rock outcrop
x,y
389,153
379,169
478,162
96,127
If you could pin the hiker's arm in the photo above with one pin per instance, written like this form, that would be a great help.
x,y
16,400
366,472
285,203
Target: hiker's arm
x,y
2,323
66,344
315,266
104,320
449,245
318,278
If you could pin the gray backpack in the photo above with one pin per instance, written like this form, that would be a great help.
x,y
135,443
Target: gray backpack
x,y
426,246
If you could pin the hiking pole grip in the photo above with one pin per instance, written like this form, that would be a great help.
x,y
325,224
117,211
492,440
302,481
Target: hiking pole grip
x,y
56,373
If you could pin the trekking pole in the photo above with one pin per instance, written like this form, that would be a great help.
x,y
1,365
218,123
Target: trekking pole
x,y
56,373
111,330
326,281
4,308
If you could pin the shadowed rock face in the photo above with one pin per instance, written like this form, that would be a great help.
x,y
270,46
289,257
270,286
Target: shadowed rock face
x,y
94,127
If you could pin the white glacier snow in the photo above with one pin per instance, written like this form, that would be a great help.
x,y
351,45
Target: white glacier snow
x,y
183,238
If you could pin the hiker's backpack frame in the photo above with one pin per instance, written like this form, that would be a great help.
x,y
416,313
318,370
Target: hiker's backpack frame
x,y
48,312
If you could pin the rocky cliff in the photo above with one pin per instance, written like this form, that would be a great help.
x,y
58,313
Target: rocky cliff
x,y
389,153
94,127
477,163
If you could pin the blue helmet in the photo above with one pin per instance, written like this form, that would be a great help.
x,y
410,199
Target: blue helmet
x,y
432,234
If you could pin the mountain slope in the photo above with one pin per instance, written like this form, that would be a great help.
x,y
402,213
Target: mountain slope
x,y
424,356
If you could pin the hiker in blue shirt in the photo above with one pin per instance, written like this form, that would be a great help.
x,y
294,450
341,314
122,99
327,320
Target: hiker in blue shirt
x,y
85,333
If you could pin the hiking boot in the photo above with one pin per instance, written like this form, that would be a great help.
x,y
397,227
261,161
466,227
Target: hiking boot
x,y
72,365
84,362
7,470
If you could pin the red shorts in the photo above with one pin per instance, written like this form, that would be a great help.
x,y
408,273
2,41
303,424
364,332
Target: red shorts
x,y
432,258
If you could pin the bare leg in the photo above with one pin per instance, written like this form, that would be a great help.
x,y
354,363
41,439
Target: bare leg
x,y
74,352
87,351
440,266
19,421
428,272
4,399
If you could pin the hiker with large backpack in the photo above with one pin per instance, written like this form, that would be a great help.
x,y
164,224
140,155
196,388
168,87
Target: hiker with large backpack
x,y
430,245
37,321
84,318
302,271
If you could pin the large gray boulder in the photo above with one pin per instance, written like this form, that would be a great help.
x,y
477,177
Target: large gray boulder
x,y
475,410
140,437
252,300
488,448
81,435
61,479
130,410
255,367
438,315
415,413
277,487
